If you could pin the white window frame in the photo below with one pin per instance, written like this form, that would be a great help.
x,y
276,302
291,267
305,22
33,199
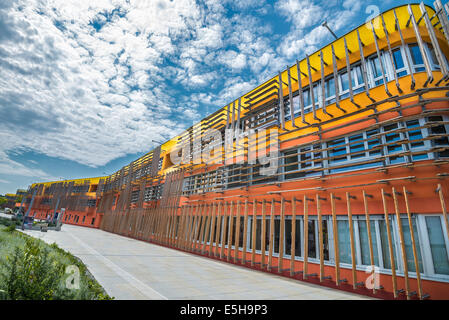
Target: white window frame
x,y
371,68
406,67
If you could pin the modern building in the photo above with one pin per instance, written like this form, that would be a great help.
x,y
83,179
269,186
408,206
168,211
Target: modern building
x,y
348,184
11,201
21,192
76,199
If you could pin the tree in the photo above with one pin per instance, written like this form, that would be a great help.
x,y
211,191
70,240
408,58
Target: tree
x,y
3,201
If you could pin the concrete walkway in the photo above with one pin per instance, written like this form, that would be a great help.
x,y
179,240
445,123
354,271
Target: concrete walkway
x,y
132,269
4,215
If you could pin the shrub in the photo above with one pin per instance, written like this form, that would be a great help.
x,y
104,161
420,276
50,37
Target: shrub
x,y
11,228
31,269
31,274
5,222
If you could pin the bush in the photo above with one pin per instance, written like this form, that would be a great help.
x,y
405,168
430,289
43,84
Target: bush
x,y
36,271
8,222
11,228
31,274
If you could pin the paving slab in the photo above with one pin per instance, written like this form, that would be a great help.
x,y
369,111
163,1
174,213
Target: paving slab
x,y
130,269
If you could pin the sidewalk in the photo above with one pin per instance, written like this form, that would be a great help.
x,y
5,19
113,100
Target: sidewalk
x,y
132,269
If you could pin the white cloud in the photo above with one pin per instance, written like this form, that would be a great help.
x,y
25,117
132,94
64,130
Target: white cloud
x,y
8,167
233,60
92,81
306,34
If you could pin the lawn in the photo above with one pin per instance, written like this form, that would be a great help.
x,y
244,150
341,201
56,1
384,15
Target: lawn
x,y
30,269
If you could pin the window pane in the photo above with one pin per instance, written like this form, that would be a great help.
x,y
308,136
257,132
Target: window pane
x,y
206,232
298,249
277,225
250,233
377,68
437,130
305,157
293,160
408,245
358,75
311,239
357,145
288,238
267,234
384,244
330,88
398,61
433,55
344,81
437,245
325,240
337,151
416,54
344,242
372,143
415,134
225,230
307,100
316,94
364,243
317,155
258,234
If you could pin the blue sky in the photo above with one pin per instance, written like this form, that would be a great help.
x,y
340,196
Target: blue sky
x,y
85,86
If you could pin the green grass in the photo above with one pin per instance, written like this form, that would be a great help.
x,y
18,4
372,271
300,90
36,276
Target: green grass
x,y
30,269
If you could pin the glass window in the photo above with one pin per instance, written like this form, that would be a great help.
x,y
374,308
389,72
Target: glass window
x,y
357,75
291,162
374,142
357,79
338,149
234,233
225,230
317,94
364,242
385,246
377,71
357,146
325,240
288,237
307,99
433,56
307,157
393,148
417,58
330,91
258,233
312,240
437,245
399,62
439,130
277,226
344,242
414,135
317,155
408,245
267,233
344,81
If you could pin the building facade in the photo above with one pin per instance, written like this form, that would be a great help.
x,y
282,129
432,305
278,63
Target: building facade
x,y
332,172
